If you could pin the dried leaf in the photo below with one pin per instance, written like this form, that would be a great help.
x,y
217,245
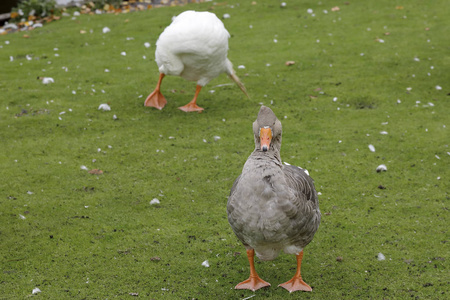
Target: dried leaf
x,y
96,172
289,63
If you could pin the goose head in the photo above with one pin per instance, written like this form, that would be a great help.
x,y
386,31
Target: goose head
x,y
267,131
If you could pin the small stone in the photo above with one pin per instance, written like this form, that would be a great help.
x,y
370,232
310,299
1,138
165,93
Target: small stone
x,y
381,168
154,201
205,264
47,80
104,107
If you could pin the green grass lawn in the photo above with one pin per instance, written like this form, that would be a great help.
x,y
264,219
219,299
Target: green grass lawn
x,y
370,67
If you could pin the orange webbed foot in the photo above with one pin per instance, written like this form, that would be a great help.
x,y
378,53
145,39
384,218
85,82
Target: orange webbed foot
x,y
156,100
296,284
191,107
252,283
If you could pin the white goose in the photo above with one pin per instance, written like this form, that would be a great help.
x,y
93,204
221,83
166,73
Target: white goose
x,y
194,46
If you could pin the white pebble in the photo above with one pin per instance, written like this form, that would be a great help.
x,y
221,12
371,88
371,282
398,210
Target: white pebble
x,y
147,45
438,87
106,30
381,256
36,290
47,80
205,264
371,148
154,201
104,107
381,168
226,16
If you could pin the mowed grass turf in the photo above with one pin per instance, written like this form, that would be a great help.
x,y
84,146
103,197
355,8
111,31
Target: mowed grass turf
x,y
370,67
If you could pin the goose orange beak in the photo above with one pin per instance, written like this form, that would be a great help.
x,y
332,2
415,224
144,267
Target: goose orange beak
x,y
265,136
